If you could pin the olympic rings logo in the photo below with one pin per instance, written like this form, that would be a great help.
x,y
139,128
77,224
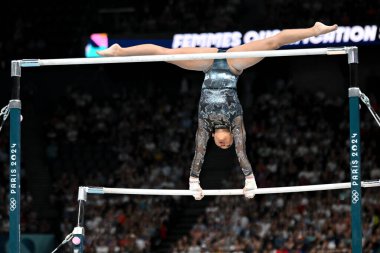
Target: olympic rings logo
x,y
355,196
12,204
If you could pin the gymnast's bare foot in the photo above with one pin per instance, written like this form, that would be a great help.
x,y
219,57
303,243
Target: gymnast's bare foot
x,y
320,28
111,51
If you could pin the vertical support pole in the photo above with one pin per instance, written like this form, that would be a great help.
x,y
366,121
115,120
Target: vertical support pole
x,y
78,232
15,160
355,163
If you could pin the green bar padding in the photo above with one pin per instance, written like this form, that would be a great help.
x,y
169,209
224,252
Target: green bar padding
x,y
14,181
356,216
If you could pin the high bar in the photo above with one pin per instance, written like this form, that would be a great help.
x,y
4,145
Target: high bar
x,y
182,57
170,192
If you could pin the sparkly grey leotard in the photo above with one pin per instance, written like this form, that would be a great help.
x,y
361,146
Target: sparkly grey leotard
x,y
219,107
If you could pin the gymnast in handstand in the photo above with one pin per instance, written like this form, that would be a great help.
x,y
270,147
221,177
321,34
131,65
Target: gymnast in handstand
x,y
220,114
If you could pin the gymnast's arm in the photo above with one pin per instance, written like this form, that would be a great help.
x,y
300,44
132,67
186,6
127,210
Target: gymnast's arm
x,y
151,49
239,134
201,140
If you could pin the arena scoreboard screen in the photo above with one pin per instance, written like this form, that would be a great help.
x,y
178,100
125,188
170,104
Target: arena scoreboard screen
x,y
343,36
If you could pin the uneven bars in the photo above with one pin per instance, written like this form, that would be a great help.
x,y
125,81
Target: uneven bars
x,y
182,57
289,189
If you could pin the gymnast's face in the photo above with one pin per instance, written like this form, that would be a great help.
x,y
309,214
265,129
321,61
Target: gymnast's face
x,y
223,138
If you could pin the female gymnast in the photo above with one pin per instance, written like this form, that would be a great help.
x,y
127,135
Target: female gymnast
x,y
220,114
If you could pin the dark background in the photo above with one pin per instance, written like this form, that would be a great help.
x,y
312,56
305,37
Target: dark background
x,y
56,161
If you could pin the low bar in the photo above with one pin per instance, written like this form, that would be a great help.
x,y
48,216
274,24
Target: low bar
x,y
170,192
182,57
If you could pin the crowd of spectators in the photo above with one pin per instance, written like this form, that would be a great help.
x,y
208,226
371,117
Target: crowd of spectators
x,y
195,16
120,139
294,139
345,12
54,29
297,223
3,180
136,138
147,17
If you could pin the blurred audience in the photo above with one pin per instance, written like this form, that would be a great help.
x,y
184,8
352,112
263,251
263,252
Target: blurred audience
x,y
89,137
130,138
291,141
29,37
